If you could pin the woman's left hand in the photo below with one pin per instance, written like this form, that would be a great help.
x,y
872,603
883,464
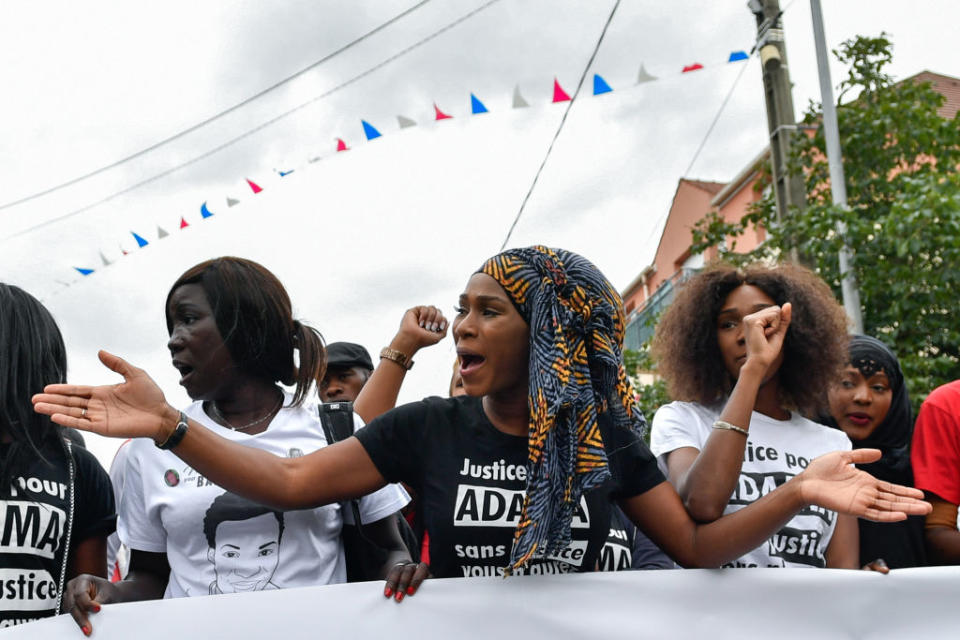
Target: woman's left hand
x,y
831,481
405,578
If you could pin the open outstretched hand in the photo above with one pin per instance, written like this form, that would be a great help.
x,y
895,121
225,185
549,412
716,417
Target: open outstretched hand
x,y
133,408
832,481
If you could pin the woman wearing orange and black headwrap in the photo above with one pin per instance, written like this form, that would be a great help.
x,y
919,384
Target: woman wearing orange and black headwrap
x,y
516,475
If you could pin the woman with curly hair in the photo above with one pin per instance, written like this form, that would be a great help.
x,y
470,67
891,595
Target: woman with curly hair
x,y
746,354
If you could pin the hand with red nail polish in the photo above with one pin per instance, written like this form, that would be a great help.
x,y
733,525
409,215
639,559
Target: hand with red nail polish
x,y
404,578
86,594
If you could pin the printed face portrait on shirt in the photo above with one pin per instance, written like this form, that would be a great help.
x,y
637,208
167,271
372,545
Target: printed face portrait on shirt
x,y
244,540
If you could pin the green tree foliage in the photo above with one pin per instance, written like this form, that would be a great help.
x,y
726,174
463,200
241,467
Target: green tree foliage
x,y
903,219
650,396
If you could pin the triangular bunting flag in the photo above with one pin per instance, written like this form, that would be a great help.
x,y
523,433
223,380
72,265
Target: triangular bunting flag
x,y
643,76
231,202
84,272
205,213
140,241
440,115
341,145
518,101
369,130
692,67
104,260
183,223
738,55
161,233
559,95
253,185
285,173
600,85
406,122
476,106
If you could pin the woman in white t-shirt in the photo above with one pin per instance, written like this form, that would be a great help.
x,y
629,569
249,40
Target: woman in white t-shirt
x,y
745,352
233,338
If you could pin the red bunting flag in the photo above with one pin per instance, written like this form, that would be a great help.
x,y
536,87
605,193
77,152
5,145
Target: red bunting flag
x,y
692,67
341,145
440,114
559,95
183,223
254,186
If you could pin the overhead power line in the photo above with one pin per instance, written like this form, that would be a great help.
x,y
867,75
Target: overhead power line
x,y
560,126
214,117
250,132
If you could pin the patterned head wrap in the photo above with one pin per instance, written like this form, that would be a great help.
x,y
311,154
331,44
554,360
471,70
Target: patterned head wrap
x,y
576,372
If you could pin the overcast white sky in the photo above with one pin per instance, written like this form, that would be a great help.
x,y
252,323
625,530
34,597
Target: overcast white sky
x,y
404,219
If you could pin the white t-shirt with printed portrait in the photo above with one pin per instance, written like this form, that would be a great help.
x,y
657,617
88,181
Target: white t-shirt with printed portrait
x,y
774,452
217,542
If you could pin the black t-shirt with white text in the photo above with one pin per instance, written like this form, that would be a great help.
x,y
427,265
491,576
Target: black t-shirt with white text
x,y
34,515
471,479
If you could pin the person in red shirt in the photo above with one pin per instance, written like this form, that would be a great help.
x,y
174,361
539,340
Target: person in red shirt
x,y
936,469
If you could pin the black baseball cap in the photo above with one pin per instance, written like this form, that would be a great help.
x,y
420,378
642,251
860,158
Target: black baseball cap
x,y
347,354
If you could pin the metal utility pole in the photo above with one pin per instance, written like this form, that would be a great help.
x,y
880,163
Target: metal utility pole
x,y
781,122
838,184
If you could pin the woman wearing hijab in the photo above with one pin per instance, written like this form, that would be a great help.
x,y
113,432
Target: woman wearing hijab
x,y
527,464
870,404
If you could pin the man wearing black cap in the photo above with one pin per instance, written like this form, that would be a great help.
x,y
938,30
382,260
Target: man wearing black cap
x,y
348,368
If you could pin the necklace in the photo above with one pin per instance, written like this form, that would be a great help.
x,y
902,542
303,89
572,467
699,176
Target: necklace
x,y
221,418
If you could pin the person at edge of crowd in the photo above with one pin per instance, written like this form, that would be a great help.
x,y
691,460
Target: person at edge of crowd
x,y
118,554
456,381
374,392
869,402
549,429
45,479
746,352
936,470
233,339
348,369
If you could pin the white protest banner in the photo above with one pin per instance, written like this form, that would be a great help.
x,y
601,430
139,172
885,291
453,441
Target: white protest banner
x,y
713,604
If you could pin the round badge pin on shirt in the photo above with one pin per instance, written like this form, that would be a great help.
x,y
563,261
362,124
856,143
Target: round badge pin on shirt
x,y
171,477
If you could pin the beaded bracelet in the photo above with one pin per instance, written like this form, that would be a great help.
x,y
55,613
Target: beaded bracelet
x,y
721,424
